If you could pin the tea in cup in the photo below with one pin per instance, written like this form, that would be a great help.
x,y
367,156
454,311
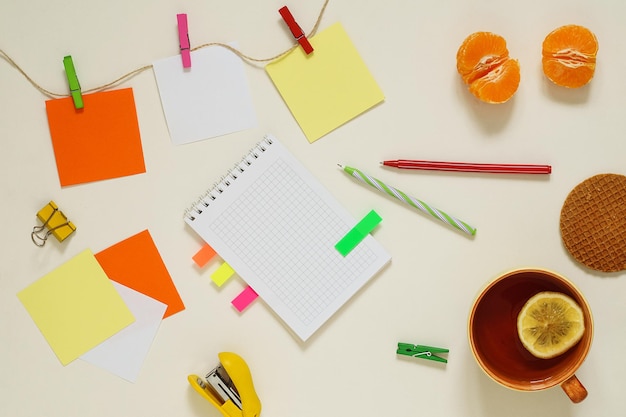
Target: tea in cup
x,y
496,345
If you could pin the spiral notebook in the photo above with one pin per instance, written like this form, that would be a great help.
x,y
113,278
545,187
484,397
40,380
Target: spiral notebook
x,y
276,225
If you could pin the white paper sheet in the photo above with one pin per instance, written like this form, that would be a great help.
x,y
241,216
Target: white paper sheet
x,y
210,99
124,353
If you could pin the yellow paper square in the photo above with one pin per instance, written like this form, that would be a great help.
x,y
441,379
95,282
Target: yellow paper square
x,y
76,307
327,88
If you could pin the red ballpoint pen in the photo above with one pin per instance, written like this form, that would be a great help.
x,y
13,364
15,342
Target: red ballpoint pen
x,y
469,167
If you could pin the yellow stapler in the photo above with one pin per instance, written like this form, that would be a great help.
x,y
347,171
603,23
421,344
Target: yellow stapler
x,y
229,387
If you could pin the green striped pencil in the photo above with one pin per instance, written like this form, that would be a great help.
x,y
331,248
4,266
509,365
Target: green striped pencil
x,y
411,201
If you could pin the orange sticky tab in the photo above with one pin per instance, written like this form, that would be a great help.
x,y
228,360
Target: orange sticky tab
x,y
137,264
222,274
100,141
204,255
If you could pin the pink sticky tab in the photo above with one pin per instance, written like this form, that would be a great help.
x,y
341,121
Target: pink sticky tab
x,y
244,299
183,38
204,255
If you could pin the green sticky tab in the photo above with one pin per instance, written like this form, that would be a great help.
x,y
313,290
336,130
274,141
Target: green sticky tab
x,y
358,233
221,275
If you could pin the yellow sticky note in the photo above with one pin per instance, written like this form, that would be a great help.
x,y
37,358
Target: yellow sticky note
x,y
327,88
76,307
221,274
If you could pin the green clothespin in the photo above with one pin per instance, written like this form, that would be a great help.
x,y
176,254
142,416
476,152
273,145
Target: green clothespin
x,y
421,351
72,79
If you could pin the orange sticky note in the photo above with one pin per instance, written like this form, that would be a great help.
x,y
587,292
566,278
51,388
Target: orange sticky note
x,y
137,264
204,255
100,141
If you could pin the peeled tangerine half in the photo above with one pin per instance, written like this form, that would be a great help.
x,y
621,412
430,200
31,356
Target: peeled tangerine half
x,y
569,56
485,66
549,324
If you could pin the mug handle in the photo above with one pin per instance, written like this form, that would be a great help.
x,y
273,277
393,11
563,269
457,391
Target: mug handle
x,y
574,389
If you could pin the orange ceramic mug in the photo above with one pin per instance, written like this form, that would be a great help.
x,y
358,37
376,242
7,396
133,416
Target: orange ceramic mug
x,y
495,343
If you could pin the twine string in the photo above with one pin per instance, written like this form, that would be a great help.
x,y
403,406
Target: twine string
x,y
30,80
138,71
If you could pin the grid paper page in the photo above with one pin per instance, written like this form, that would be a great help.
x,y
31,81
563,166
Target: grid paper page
x,y
276,226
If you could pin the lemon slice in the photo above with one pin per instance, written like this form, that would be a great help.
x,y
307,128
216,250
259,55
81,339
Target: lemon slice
x,y
549,324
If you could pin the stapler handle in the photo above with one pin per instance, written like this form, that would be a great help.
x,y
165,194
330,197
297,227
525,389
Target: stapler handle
x,y
240,374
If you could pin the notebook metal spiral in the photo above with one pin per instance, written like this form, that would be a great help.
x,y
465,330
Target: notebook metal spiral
x,y
224,182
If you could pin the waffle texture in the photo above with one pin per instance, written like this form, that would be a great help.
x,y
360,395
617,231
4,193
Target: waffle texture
x,y
593,222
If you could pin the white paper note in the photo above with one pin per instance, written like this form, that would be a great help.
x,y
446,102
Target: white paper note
x,y
124,353
210,99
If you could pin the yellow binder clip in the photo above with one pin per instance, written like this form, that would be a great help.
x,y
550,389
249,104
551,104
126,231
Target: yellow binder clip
x,y
229,387
55,221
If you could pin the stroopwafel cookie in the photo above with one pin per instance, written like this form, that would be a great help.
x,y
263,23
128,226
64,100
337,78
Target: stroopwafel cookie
x,y
593,222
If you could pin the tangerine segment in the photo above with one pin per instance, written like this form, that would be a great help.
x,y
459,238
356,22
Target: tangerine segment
x,y
480,53
499,85
569,56
484,64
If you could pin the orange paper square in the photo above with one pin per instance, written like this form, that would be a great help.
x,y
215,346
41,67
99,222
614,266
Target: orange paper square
x,y
137,264
100,141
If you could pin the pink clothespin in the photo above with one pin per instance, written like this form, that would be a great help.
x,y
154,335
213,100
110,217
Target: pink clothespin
x,y
183,36
296,30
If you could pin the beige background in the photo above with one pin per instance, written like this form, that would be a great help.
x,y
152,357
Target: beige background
x,y
349,368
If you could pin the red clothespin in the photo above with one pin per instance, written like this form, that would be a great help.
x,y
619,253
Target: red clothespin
x,y
183,36
296,30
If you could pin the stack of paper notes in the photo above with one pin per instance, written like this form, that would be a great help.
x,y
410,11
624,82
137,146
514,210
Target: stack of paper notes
x,y
105,308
